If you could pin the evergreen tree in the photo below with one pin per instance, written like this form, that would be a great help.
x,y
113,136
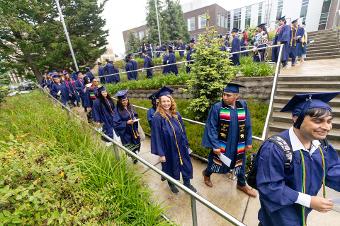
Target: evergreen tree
x,y
133,43
210,72
32,37
151,20
176,27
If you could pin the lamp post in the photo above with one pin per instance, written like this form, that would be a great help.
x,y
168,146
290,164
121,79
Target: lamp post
x,y
159,32
66,34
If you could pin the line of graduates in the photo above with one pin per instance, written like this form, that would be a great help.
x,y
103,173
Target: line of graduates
x,y
294,39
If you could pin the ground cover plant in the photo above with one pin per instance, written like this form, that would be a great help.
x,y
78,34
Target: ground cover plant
x,y
55,171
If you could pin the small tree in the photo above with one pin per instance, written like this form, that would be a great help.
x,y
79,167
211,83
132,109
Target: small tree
x,y
133,43
211,71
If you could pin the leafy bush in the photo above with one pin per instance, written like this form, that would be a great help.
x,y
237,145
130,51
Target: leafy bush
x,y
54,171
4,81
249,68
211,71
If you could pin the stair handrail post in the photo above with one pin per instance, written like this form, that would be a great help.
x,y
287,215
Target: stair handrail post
x,y
270,108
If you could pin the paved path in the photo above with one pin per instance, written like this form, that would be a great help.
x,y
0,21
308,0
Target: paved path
x,y
314,67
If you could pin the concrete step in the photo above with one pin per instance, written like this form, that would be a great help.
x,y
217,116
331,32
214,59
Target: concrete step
x,y
280,126
329,38
323,46
323,57
334,143
292,92
320,32
298,78
323,53
286,117
335,49
284,100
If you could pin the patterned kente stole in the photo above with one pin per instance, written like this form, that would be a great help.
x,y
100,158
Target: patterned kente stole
x,y
224,123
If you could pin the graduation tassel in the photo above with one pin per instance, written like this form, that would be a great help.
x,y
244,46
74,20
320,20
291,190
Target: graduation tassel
x,y
173,130
324,173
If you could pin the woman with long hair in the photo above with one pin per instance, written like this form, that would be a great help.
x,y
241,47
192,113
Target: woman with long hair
x,y
126,123
103,111
169,140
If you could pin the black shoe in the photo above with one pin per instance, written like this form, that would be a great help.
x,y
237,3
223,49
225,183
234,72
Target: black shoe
x,y
163,178
192,188
173,188
135,161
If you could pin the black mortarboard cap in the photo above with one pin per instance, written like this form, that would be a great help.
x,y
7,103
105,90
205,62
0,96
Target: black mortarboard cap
x,y
163,92
261,25
232,88
294,21
282,18
305,101
192,40
122,94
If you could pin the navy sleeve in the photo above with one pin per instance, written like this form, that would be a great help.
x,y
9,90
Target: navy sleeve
x,y
333,168
157,145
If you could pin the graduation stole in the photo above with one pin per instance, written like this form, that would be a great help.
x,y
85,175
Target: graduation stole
x,y
134,131
292,39
224,123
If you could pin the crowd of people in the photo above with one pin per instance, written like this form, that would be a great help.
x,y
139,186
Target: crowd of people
x,y
290,167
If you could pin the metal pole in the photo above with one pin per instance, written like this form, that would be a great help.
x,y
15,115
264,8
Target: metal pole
x,y
193,211
159,32
270,110
67,36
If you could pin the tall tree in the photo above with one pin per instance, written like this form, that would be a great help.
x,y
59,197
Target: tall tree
x,y
32,37
175,25
133,43
151,20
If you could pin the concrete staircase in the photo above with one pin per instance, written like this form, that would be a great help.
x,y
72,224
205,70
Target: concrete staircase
x,y
288,85
326,45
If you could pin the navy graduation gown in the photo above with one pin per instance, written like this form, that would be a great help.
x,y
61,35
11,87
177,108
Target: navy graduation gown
x,y
300,46
147,64
149,115
80,89
64,93
163,143
282,36
165,62
278,187
89,75
172,60
236,47
101,72
104,114
181,49
112,72
127,133
210,136
130,67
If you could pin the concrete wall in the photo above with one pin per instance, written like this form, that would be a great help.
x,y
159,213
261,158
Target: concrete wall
x,y
258,88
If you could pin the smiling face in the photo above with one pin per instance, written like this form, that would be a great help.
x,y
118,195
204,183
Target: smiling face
x,y
125,102
165,102
316,128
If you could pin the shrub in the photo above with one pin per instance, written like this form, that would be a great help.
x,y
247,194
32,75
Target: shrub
x,y
249,68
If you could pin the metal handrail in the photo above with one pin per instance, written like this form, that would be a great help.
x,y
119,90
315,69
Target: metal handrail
x,y
194,196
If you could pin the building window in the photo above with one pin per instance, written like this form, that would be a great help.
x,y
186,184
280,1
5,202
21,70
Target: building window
x,y
259,17
191,24
228,22
202,21
237,18
141,35
324,14
247,18
222,21
218,20
279,9
304,8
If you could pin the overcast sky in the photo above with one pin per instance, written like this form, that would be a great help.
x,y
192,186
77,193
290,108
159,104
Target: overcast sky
x,y
122,15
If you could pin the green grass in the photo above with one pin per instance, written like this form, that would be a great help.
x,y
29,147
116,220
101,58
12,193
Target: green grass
x,y
258,111
54,170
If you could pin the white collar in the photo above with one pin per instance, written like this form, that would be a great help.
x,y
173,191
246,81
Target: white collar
x,y
297,145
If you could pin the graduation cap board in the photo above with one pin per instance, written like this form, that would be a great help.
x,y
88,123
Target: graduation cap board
x,y
122,94
163,92
101,89
235,30
301,103
232,88
261,25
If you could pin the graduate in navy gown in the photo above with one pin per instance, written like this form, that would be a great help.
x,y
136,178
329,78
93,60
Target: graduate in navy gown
x,y
293,41
169,140
101,73
171,60
301,45
181,48
147,64
151,111
71,89
288,192
165,62
282,36
125,122
235,47
59,90
103,111
228,133
80,89
131,67
112,73
89,73
261,39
